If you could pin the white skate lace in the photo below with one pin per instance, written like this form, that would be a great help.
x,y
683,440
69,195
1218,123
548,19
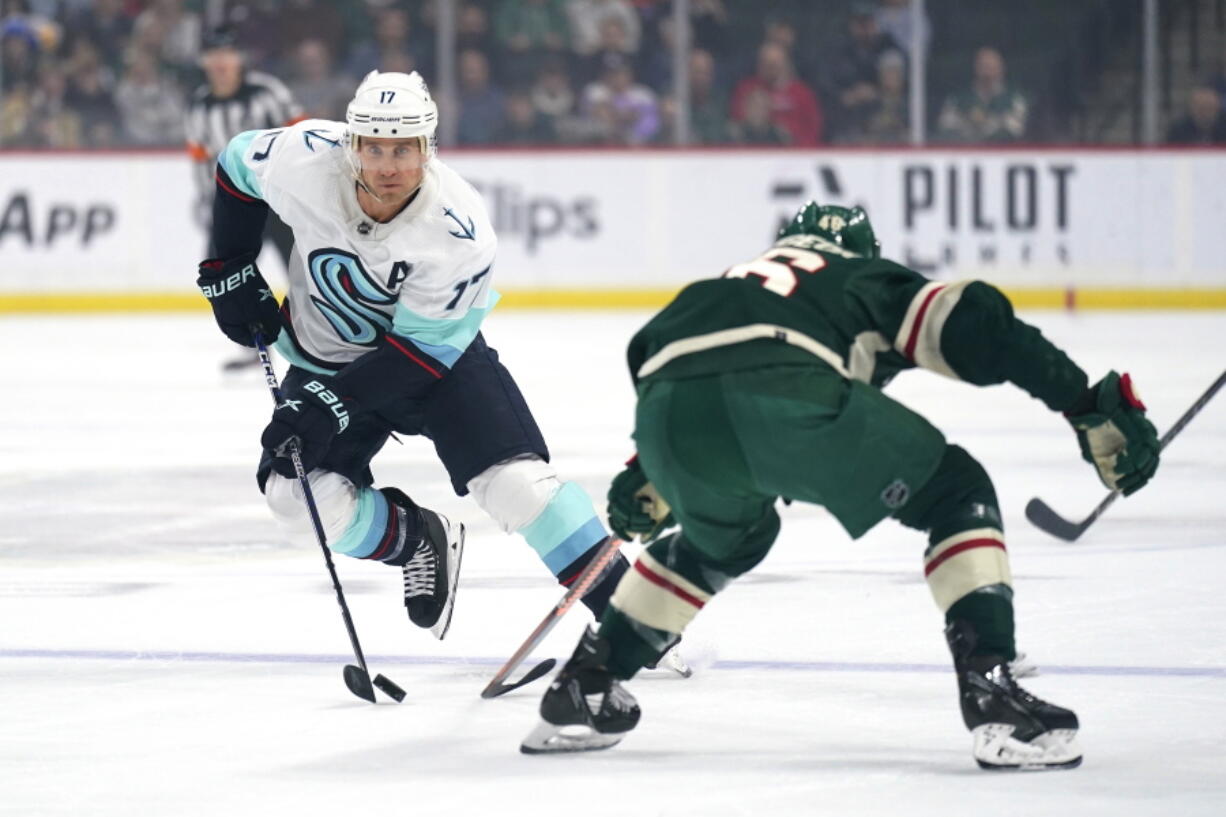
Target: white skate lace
x,y
419,573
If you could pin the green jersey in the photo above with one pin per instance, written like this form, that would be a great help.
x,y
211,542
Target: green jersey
x,y
807,300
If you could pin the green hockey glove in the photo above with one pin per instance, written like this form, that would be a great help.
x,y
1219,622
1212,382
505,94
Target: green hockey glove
x,y
635,507
1114,434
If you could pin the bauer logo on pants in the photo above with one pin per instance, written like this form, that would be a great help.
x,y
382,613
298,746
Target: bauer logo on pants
x,y
331,401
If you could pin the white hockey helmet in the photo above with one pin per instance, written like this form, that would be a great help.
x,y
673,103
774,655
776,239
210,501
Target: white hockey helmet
x,y
392,105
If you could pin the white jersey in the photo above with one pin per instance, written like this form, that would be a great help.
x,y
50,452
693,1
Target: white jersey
x,y
424,275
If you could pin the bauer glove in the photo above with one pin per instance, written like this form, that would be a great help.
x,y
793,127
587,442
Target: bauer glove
x,y
1114,434
311,416
242,301
635,507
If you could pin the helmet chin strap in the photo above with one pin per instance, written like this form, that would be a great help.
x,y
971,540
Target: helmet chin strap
x,y
365,187
362,184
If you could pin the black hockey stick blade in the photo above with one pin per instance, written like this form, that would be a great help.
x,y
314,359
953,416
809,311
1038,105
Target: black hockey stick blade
x,y
495,689
358,681
1048,521
389,688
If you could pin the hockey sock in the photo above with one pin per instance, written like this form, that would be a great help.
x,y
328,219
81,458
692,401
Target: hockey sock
x,y
566,534
989,610
597,599
386,527
658,598
633,645
966,564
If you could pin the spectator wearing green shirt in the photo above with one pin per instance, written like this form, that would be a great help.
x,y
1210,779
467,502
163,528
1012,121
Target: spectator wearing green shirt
x,y
990,110
528,30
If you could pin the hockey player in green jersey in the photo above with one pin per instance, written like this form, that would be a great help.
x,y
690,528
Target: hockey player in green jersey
x,y
765,383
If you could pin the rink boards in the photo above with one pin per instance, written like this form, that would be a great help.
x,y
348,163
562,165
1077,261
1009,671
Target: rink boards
x,y
585,229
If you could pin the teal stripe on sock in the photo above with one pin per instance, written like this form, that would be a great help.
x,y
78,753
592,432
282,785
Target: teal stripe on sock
x,y
575,545
562,532
367,528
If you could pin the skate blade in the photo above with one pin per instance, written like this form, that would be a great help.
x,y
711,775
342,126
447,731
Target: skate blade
x,y
455,552
1023,667
673,662
548,739
995,749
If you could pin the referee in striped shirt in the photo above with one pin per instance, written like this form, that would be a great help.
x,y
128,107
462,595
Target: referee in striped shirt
x,y
232,100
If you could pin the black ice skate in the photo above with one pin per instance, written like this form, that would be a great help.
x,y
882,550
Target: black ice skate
x,y
431,575
1012,729
585,707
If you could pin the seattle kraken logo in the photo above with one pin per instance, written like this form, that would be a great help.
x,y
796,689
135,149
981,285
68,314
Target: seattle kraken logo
x,y
346,296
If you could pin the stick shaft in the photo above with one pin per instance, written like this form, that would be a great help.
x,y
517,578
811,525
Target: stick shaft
x,y
607,553
1192,411
270,377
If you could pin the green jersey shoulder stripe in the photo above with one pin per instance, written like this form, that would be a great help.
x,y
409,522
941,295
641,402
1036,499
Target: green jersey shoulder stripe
x,y
741,334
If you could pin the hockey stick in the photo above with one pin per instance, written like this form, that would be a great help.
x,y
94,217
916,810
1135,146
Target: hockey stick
x,y
1048,521
607,553
356,678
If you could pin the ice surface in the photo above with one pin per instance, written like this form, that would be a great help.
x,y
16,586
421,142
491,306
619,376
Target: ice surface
x,y
162,651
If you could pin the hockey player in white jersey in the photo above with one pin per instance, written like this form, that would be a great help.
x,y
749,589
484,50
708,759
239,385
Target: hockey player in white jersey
x,y
390,279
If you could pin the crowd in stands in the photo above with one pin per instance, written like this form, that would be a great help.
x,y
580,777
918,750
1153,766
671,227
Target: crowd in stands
x,y
1204,122
105,73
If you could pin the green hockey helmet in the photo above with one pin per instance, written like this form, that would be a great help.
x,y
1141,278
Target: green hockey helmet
x,y
848,227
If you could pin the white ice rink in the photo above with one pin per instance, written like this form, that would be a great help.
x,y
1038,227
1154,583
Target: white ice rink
x,y
162,652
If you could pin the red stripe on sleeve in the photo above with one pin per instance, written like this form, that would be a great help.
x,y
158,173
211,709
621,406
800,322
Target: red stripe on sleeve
x,y
413,357
909,350
660,581
959,548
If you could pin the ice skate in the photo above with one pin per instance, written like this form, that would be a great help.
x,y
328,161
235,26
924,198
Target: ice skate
x,y
1023,666
673,661
1012,729
431,575
585,708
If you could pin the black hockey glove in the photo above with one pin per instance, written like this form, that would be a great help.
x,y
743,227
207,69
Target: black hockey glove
x,y
1114,434
313,416
635,507
241,299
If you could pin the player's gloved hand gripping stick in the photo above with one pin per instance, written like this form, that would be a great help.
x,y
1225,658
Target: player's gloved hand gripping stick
x,y
635,507
241,298
356,678
1047,520
310,421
